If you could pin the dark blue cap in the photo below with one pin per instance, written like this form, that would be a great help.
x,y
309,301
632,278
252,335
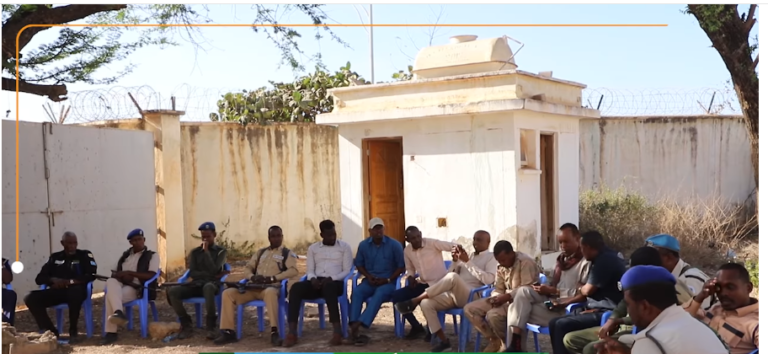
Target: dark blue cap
x,y
644,274
135,232
663,241
207,226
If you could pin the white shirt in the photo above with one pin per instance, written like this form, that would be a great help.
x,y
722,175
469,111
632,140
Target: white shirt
x,y
479,271
329,261
427,261
693,278
678,333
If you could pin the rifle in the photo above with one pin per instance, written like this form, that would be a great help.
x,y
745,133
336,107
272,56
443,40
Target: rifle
x,y
241,287
133,285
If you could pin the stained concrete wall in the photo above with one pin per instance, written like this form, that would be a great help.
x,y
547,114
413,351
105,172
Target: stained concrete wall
x,y
668,157
246,179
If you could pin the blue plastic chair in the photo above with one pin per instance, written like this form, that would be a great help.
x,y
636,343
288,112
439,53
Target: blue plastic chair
x,y
356,278
536,329
400,319
144,304
200,301
343,307
465,328
754,352
260,306
87,307
606,316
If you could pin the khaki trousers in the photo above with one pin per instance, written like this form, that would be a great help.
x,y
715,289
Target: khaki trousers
x,y
231,298
117,294
528,307
450,292
490,321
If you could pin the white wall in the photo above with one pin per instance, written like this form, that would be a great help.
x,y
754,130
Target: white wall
x,y
101,186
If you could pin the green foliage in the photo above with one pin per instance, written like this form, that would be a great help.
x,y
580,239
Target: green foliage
x,y
620,215
753,266
298,101
235,251
402,75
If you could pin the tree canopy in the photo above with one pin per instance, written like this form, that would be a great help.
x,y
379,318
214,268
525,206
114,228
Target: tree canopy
x,y
78,53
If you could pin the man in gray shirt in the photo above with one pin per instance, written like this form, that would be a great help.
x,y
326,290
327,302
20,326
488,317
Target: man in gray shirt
x,y
466,273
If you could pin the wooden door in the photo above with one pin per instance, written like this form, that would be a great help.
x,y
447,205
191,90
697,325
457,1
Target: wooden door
x,y
385,186
546,163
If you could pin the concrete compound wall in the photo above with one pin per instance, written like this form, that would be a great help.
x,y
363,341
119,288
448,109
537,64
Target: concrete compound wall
x,y
681,158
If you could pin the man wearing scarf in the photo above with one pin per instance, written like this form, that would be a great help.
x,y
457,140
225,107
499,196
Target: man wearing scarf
x,y
136,265
571,272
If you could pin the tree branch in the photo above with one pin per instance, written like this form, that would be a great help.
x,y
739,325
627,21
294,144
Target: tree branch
x,y
750,20
754,64
54,93
44,15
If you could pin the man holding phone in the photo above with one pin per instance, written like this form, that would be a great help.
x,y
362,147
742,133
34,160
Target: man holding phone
x,y
515,271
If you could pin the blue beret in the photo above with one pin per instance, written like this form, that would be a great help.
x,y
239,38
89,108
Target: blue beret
x,y
644,274
663,241
135,232
207,226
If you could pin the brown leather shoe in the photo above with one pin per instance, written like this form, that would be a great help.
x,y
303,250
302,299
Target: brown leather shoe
x,y
290,340
336,340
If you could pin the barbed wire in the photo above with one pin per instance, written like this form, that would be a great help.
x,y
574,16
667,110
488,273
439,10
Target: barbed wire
x,y
200,102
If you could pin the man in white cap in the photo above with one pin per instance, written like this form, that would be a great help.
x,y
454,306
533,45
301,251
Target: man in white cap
x,y
380,260
669,249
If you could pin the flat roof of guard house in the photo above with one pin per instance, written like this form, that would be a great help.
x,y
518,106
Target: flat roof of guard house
x,y
467,76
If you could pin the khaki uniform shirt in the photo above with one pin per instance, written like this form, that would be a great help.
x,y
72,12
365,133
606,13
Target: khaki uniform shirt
x,y
738,329
523,272
269,265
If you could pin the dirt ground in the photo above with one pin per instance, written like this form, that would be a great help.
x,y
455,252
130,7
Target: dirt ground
x,y
313,338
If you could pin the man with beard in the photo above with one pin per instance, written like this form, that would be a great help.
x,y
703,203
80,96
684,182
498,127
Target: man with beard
x,y
465,273
652,304
601,291
528,306
735,316
135,266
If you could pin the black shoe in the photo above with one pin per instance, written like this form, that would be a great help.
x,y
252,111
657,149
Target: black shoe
x,y
442,346
74,339
226,336
186,328
428,336
415,332
210,327
276,340
118,318
405,307
109,339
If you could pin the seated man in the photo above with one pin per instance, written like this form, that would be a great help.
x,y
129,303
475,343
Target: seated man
x,y
380,260
735,315
515,271
529,304
269,265
423,256
9,296
206,267
584,341
465,273
66,275
137,265
652,300
669,249
328,263
601,291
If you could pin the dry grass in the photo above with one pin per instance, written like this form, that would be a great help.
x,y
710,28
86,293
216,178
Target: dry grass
x,y
707,229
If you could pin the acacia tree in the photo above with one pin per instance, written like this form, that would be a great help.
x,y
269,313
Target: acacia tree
x,y
729,32
78,53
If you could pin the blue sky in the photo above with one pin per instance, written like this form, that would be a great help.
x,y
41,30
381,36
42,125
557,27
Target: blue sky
x,y
678,57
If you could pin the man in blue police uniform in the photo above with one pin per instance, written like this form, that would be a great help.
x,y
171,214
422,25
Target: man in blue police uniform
x,y
66,276
9,296
669,249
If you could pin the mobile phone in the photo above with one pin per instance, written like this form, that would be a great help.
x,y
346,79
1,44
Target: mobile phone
x,y
549,305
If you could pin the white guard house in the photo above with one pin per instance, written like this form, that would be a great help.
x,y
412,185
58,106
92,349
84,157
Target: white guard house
x,y
470,143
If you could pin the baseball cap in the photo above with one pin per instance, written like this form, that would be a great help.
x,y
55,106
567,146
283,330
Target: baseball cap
x,y
375,222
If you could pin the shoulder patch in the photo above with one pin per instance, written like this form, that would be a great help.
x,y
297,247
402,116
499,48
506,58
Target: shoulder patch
x,y
93,263
90,254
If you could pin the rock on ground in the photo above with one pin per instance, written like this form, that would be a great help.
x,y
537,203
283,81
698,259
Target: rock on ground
x,y
21,343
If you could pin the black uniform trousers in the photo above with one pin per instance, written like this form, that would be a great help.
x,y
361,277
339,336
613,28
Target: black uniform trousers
x,y
39,300
304,290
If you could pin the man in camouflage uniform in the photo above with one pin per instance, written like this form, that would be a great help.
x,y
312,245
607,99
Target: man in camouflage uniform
x,y
269,266
489,316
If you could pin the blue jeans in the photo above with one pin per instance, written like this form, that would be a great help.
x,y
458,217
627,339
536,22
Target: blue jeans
x,y
559,327
376,295
9,306
407,293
